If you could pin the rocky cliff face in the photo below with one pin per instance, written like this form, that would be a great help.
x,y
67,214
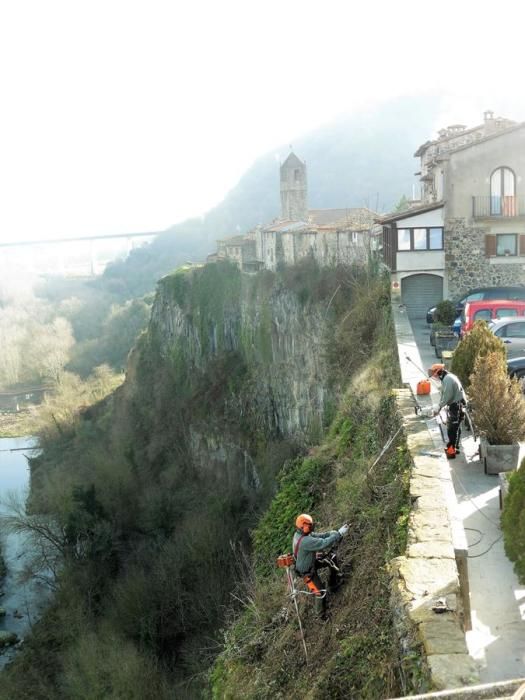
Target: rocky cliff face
x,y
245,358
279,339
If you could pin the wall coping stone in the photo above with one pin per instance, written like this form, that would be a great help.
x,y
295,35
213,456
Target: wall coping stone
x,y
427,578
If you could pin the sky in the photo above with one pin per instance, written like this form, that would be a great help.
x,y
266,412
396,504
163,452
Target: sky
x,y
123,116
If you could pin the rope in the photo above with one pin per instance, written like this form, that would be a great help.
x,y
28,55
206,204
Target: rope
x,y
294,592
385,448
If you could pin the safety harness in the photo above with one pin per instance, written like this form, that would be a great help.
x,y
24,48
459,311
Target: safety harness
x,y
307,578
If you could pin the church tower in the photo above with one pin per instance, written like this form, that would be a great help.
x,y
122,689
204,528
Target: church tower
x,y
294,202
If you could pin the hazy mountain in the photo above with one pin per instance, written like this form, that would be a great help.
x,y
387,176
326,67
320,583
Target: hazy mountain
x,y
363,159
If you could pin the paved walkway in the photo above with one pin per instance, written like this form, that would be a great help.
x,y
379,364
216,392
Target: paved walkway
x,y
497,638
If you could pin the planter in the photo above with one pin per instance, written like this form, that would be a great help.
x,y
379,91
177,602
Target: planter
x,y
444,340
499,458
437,328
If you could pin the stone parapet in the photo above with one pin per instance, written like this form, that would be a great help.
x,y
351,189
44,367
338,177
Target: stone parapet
x,y
431,608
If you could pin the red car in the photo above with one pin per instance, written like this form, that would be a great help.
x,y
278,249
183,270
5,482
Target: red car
x,y
492,310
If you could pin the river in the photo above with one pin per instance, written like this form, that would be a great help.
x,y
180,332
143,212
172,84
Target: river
x,y
20,601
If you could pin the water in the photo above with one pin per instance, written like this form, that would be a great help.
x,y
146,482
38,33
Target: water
x,y
20,601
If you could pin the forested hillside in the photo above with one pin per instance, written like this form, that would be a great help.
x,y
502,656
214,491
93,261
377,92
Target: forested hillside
x,y
149,497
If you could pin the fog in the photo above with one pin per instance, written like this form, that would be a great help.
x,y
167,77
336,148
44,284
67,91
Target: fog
x,y
132,116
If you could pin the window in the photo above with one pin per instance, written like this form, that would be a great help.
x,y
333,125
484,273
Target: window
x,y
505,313
403,239
296,175
354,236
482,315
435,238
506,244
502,193
420,238
516,330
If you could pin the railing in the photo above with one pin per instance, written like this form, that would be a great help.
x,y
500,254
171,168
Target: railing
x,y
488,206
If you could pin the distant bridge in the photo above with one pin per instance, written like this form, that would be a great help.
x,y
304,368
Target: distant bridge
x,y
79,256
48,241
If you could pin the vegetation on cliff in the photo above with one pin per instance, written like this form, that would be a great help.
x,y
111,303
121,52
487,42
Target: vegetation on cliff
x,y
355,654
154,490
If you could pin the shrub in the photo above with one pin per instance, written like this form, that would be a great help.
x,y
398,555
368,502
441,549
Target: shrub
x,y
499,407
513,521
445,312
480,341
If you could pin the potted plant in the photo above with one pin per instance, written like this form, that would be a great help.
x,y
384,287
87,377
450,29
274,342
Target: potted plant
x,y
479,341
442,336
498,411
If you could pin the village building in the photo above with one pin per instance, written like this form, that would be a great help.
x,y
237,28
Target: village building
x,y
468,228
329,236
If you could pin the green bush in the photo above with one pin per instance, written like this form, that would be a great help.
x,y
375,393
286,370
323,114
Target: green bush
x,y
298,492
513,521
498,404
478,342
445,312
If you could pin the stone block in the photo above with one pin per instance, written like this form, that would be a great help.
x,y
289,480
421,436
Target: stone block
x,y
442,635
431,550
452,671
429,577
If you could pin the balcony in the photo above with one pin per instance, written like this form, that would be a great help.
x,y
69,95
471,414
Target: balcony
x,y
488,207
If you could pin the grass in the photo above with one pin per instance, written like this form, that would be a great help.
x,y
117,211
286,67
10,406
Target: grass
x,y
17,424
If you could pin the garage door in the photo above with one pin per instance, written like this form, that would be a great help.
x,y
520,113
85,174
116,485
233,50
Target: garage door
x,y
419,292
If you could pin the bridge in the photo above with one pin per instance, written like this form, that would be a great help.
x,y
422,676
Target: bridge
x,y
80,256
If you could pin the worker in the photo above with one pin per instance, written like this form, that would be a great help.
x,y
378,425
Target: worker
x,y
453,397
311,552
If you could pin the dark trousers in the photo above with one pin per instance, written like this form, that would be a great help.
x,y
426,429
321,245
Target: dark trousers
x,y
455,417
325,561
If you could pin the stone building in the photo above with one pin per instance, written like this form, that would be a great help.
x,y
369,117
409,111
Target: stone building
x,y
238,249
468,229
330,236
294,192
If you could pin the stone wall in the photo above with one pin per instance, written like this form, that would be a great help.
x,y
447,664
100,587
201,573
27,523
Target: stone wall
x,y
466,263
277,248
426,594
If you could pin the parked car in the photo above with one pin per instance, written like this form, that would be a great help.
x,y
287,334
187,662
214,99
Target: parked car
x,y
489,311
512,333
481,293
516,368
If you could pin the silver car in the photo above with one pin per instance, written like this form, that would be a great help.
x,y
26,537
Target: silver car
x,y
512,332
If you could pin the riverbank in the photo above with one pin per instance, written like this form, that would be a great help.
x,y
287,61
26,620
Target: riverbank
x,y
13,425
21,599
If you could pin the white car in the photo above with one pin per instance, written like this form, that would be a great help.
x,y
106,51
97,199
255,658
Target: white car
x,y
512,332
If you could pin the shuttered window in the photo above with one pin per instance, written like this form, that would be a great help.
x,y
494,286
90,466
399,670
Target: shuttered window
x,y
504,245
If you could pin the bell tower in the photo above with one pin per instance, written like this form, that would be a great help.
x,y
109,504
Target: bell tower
x,y
294,200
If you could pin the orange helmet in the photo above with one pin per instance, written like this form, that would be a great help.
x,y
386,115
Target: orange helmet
x,y
305,523
436,369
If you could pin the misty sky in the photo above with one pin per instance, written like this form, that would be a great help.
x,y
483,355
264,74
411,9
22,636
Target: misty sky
x,y
125,115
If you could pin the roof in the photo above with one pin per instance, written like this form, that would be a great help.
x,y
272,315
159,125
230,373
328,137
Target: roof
x,y
287,225
474,135
292,162
354,218
407,213
357,219
235,240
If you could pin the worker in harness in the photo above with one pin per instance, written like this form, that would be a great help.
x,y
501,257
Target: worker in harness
x,y
453,397
311,553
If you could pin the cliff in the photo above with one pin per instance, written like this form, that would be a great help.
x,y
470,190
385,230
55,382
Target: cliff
x,y
231,405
